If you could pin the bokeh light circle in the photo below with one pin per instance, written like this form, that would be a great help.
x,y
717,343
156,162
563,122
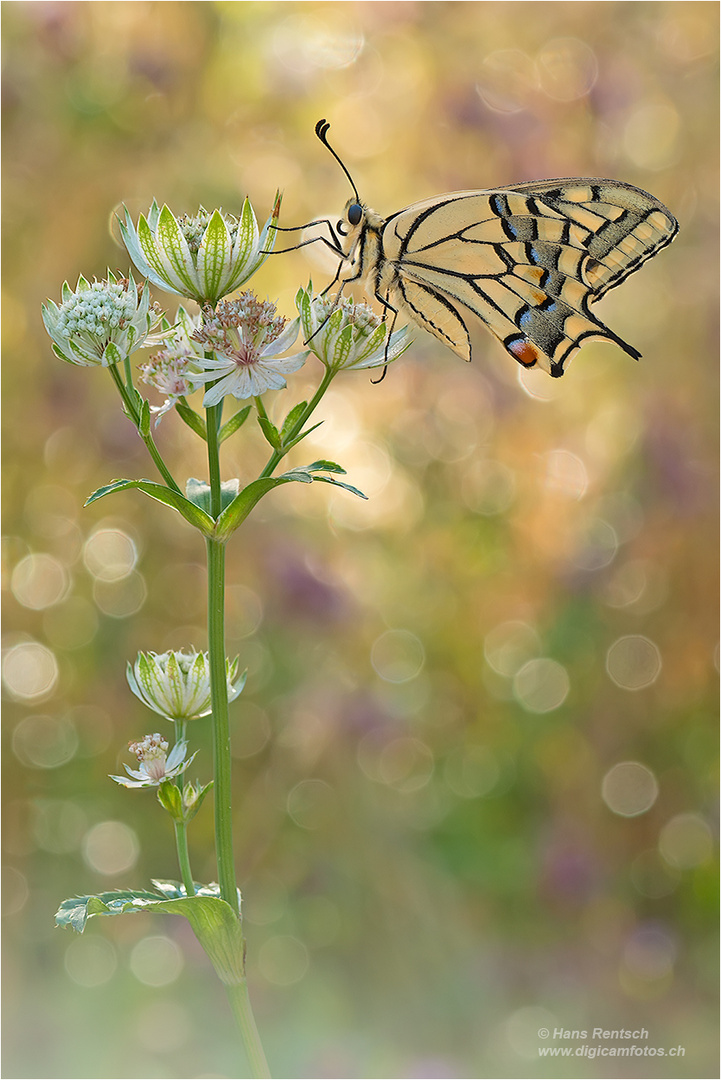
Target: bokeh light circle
x,y
629,789
45,742
509,645
39,581
686,841
397,656
311,803
109,554
156,961
283,960
110,848
633,662
541,685
30,671
90,961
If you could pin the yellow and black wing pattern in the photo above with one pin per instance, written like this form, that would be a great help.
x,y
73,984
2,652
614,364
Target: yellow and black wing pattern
x,y
528,260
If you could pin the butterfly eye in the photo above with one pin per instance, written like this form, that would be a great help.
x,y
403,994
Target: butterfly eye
x,y
355,213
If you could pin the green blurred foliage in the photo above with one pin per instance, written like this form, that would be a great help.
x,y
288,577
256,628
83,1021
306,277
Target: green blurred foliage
x,y
428,833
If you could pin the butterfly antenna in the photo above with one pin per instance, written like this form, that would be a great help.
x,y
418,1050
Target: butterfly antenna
x,y
321,130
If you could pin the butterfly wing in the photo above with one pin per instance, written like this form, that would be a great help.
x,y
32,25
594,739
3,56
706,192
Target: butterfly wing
x,y
528,260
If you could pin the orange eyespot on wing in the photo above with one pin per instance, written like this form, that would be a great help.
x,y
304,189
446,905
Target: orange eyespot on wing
x,y
523,351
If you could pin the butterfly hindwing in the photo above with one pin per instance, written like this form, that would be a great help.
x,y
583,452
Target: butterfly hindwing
x,y
527,260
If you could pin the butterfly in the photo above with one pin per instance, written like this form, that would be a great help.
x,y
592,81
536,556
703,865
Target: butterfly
x,y
528,259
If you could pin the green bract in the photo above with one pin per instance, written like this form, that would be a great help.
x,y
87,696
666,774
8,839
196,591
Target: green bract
x,y
102,323
345,335
177,684
203,257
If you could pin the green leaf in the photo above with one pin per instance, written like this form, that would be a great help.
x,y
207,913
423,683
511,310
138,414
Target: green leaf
x,y
231,426
325,466
270,431
199,493
76,911
300,436
292,419
191,418
235,514
339,483
213,921
241,506
190,512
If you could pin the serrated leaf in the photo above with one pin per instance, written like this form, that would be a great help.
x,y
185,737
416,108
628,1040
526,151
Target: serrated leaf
x,y
270,431
190,512
231,426
76,911
213,920
191,418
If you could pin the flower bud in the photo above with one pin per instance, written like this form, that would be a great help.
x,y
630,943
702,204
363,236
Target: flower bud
x,y
177,684
102,323
202,257
345,335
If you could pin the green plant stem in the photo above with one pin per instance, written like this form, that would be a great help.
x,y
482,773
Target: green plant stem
x,y
181,828
181,844
221,724
240,1004
212,425
132,411
237,993
218,679
278,455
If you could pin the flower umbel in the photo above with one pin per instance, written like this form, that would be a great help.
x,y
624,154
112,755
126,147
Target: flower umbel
x,y
346,335
102,323
177,684
245,337
202,257
170,369
156,765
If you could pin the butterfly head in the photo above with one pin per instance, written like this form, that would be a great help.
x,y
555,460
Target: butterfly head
x,y
356,216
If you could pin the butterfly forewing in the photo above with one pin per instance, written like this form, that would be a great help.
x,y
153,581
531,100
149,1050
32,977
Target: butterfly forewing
x,y
527,260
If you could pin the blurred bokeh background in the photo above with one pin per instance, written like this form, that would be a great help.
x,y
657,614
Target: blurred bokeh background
x,y
474,771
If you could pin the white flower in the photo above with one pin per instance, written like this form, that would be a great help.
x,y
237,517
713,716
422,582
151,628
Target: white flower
x,y
177,684
202,257
246,339
345,335
102,323
169,370
156,765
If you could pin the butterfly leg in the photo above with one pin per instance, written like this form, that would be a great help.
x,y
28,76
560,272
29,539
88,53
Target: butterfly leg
x,y
387,306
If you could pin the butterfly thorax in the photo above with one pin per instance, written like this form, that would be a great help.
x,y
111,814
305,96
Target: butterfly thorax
x,y
362,246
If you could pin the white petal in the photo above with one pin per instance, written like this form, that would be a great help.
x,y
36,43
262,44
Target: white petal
x,y
284,341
